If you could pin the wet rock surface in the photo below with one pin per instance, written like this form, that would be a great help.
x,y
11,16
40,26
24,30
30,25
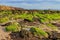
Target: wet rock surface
x,y
24,35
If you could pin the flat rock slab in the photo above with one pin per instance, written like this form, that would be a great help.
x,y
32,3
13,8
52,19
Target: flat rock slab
x,y
3,35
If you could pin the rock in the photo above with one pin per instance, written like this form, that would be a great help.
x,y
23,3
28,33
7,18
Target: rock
x,y
3,34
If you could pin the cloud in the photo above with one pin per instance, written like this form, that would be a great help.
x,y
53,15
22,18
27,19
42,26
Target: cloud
x,y
33,4
44,5
31,0
53,0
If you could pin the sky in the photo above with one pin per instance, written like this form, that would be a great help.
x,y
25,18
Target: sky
x,y
32,4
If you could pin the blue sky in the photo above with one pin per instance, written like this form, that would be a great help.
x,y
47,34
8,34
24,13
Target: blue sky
x,y
32,4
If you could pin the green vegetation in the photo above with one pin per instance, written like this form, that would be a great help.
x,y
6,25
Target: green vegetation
x,y
52,26
38,31
12,27
45,17
42,17
27,16
3,20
